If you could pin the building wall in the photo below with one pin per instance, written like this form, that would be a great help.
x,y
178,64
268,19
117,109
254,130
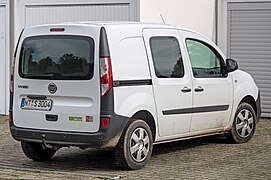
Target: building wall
x,y
197,15
223,21
246,37
4,55
34,12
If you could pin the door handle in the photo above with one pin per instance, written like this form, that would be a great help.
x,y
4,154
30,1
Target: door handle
x,y
41,97
51,117
186,89
199,89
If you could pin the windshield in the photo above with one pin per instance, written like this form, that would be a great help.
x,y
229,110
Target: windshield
x,y
57,57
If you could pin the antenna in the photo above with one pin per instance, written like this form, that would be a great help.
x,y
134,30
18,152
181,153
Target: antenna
x,y
162,18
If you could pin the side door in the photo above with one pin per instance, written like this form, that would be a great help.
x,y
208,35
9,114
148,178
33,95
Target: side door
x,y
172,84
212,87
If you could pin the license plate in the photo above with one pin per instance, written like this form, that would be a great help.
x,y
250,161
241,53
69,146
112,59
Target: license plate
x,y
36,104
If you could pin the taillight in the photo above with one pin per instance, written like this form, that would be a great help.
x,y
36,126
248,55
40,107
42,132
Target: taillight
x,y
106,75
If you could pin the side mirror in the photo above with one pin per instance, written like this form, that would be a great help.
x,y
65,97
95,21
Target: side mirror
x,y
231,65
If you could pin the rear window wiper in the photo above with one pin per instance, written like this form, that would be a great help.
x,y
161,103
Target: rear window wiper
x,y
52,74
47,75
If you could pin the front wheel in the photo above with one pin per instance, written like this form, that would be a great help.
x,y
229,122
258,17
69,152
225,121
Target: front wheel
x,y
36,151
135,146
244,124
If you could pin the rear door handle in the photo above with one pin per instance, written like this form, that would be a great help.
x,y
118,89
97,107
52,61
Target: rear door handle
x,y
41,97
186,89
199,89
51,117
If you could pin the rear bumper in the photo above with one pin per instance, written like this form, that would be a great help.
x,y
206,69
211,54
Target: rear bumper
x,y
104,138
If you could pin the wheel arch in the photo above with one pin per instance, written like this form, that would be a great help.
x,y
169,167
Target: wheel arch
x,y
148,118
251,101
245,99
246,126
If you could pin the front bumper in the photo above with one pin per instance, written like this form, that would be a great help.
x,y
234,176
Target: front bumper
x,y
258,106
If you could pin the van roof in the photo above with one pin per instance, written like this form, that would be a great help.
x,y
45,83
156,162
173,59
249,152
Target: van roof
x,y
130,23
127,24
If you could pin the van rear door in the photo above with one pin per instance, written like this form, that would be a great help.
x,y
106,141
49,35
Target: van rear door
x,y
56,79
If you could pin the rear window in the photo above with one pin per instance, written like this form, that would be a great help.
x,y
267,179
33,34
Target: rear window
x,y
57,57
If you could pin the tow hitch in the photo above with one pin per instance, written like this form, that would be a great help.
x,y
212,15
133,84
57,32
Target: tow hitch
x,y
48,146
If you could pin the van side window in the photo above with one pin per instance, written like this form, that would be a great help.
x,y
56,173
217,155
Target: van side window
x,y
205,61
167,57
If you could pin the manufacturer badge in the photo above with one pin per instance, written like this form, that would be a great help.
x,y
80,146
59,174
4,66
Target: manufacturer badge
x,y
52,88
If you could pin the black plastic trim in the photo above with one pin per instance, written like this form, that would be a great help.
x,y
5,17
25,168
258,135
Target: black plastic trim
x,y
104,48
258,106
185,90
196,110
132,82
51,117
40,97
104,138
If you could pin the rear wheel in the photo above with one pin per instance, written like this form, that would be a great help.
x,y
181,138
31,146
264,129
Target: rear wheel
x,y
244,124
36,151
135,146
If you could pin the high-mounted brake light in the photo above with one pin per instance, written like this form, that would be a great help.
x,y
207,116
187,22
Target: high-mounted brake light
x,y
106,75
57,29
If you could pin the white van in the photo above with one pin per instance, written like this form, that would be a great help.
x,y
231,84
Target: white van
x,y
124,86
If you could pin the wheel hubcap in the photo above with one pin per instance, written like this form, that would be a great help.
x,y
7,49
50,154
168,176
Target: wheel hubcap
x,y
139,145
244,123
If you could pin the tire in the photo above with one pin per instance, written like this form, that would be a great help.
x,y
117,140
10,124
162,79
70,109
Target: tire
x,y
135,146
244,124
36,151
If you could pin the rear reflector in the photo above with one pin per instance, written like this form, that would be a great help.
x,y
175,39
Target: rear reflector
x,y
57,29
105,122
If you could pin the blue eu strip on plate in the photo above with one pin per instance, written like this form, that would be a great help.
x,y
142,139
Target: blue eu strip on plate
x,y
22,103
